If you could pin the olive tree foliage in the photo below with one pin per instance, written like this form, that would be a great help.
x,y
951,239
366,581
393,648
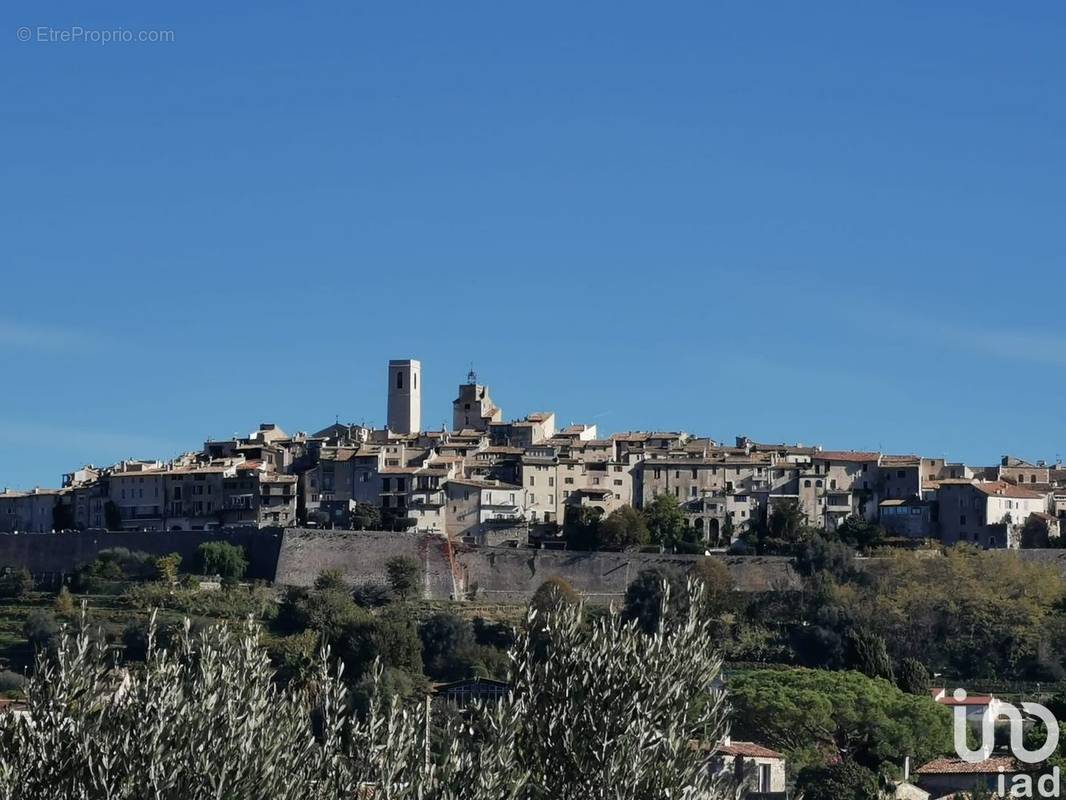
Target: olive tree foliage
x,y
609,711
206,719
598,710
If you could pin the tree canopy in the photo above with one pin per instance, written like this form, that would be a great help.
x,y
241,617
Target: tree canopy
x,y
815,713
404,574
221,558
623,527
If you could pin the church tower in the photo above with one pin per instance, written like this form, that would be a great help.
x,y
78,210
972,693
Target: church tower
x,y
405,396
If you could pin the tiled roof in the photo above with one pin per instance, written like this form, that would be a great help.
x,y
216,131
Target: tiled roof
x,y
945,698
956,766
1004,489
746,750
993,488
484,484
857,456
901,461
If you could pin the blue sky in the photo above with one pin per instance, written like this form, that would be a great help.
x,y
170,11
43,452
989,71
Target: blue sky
x,y
799,222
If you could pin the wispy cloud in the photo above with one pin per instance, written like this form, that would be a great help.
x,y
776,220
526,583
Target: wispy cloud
x,y
37,338
992,340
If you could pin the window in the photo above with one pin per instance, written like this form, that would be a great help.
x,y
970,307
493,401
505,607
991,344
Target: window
x,y
617,482
414,380
568,480
900,473
551,481
694,476
807,484
962,519
764,778
386,483
399,380
532,480
694,490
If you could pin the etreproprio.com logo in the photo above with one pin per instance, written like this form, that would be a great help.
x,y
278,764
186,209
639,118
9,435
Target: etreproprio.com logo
x,y
1021,785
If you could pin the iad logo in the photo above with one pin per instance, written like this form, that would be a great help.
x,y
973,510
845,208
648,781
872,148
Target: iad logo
x,y
993,711
1022,785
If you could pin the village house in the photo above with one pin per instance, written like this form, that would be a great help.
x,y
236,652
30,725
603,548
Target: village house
x,y
483,511
912,517
758,772
840,484
944,777
987,513
28,512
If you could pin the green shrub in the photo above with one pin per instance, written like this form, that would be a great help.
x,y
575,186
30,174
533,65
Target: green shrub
x,y
111,567
221,558
372,595
11,682
17,583
40,629
257,601
404,574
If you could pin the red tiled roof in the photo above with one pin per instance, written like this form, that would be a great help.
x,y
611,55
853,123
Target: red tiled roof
x,y
956,766
1004,489
946,698
746,750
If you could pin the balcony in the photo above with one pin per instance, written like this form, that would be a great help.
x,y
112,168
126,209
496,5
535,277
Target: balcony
x,y
428,499
838,502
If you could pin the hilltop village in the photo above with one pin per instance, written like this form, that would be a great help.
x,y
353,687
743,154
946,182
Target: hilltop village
x,y
491,481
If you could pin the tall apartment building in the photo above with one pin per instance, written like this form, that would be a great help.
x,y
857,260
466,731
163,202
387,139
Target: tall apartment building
x,y
405,396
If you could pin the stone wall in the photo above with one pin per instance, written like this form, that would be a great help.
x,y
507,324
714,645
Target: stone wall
x,y
360,557
51,555
296,556
500,574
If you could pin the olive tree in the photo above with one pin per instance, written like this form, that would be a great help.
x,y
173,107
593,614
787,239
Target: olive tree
x,y
597,710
